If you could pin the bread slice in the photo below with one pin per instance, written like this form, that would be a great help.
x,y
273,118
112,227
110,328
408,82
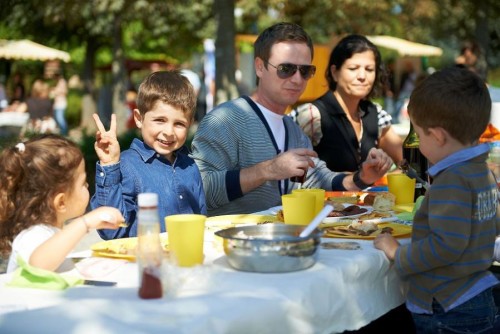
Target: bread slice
x,y
384,202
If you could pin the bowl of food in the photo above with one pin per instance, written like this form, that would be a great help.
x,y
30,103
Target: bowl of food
x,y
270,248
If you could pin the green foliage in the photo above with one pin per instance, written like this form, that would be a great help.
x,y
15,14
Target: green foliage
x,y
74,110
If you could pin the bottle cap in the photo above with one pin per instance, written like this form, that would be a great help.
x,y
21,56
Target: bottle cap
x,y
147,199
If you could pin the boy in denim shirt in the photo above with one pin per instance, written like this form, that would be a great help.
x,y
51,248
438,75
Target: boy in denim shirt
x,y
454,229
159,163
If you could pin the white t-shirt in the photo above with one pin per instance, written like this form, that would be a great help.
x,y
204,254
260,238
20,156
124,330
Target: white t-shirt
x,y
275,122
28,240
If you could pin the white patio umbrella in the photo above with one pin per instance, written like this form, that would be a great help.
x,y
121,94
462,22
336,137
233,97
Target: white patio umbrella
x,y
405,47
29,50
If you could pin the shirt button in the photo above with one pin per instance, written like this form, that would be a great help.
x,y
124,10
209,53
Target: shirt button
x,y
157,155
180,196
101,174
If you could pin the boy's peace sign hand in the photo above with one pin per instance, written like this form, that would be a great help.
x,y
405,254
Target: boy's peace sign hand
x,y
106,144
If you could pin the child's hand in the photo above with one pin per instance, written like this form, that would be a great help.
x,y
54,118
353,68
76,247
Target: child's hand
x,y
386,243
106,144
104,217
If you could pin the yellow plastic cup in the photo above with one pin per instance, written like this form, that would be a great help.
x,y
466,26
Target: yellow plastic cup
x,y
298,209
319,195
401,186
185,238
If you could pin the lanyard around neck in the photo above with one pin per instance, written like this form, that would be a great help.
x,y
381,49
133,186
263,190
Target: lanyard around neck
x,y
259,113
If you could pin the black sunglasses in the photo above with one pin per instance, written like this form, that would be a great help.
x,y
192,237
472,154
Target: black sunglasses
x,y
286,70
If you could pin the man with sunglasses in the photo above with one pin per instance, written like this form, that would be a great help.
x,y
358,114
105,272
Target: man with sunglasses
x,y
247,149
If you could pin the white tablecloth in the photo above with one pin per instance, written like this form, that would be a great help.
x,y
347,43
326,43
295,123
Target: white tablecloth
x,y
344,290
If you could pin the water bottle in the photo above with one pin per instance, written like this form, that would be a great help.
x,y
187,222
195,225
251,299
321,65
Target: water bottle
x,y
149,249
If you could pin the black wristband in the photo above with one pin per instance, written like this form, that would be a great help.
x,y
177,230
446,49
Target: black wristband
x,y
358,182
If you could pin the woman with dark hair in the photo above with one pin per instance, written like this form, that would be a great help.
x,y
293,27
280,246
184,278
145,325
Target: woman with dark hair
x,y
344,124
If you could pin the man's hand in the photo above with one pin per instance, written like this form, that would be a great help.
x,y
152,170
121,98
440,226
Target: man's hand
x,y
291,163
106,144
294,162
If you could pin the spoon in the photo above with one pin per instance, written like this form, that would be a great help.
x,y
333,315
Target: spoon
x,y
316,221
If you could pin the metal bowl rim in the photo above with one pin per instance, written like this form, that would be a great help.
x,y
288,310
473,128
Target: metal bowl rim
x,y
316,233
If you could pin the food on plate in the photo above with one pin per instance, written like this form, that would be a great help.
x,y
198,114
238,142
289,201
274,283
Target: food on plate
x,y
350,210
280,216
383,201
387,229
357,227
122,248
353,199
116,248
269,222
336,206
363,228
375,215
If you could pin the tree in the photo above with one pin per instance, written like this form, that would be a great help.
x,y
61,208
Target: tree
x,y
225,55
162,27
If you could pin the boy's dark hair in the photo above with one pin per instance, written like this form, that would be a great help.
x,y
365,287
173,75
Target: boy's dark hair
x,y
169,87
454,99
345,49
280,32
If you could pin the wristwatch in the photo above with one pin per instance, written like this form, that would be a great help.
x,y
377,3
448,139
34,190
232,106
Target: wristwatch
x,y
358,182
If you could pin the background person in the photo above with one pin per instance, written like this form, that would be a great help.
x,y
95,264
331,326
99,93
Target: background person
x,y
60,95
40,108
343,124
247,149
43,184
472,58
455,227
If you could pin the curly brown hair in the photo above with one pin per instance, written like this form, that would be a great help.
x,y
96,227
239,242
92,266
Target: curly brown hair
x,y
31,175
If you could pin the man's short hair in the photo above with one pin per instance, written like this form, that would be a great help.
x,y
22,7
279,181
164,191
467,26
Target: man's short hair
x,y
454,99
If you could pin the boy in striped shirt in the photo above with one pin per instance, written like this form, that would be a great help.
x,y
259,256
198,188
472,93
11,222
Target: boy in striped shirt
x,y
454,230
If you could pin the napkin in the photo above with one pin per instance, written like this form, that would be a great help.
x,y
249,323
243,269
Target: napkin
x,y
27,276
408,216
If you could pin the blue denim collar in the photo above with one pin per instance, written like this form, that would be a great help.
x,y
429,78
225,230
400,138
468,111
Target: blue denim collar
x,y
147,153
465,154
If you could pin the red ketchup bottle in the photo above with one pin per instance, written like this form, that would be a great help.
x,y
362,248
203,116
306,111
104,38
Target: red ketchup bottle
x,y
149,249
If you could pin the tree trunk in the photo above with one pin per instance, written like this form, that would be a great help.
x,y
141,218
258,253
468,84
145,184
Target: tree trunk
x,y
88,100
225,55
119,78
482,30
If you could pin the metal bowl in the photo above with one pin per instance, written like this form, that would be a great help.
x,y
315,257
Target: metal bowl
x,y
270,248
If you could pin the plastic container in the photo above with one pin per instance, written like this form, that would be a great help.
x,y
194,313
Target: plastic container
x,y
149,250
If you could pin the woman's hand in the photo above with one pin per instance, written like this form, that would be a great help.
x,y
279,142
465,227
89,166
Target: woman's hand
x,y
376,165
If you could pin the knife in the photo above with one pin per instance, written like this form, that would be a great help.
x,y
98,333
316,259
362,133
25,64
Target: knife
x,y
98,283
374,220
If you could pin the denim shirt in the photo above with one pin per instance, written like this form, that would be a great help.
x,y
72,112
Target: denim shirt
x,y
141,169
